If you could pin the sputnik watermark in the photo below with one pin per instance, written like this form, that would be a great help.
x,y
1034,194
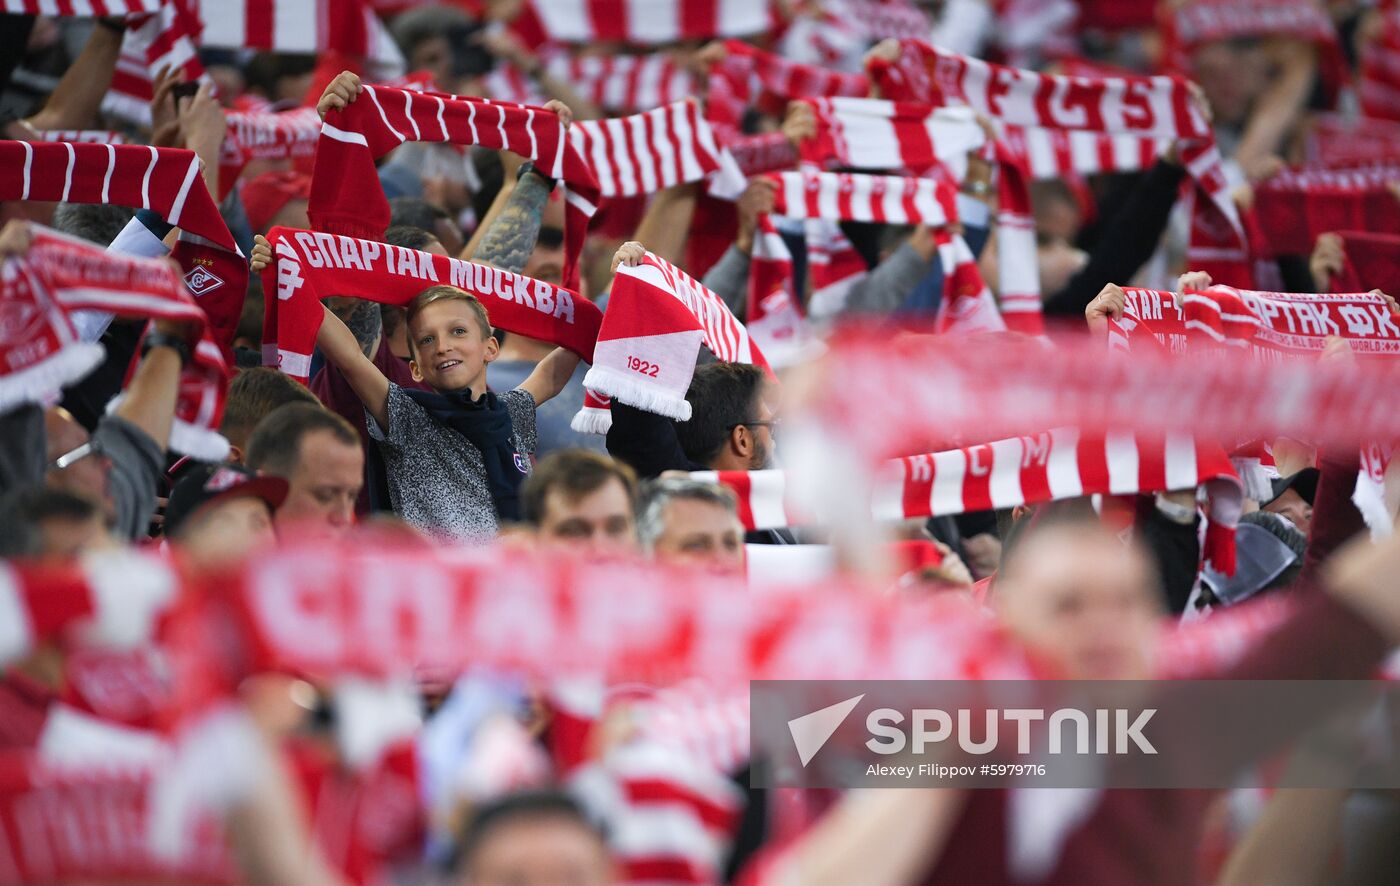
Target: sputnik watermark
x,y
1112,731
932,726
1073,734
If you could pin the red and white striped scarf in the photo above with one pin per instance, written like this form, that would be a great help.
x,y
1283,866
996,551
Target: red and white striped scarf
x,y
671,818
751,77
310,266
657,318
967,305
650,22
314,27
1378,81
168,39
870,133
1273,324
1055,465
618,83
834,265
774,317
1144,107
661,148
163,180
345,198
102,8
59,275
902,392
252,135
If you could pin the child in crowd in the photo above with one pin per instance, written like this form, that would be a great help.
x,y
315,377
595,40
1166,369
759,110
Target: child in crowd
x,y
455,455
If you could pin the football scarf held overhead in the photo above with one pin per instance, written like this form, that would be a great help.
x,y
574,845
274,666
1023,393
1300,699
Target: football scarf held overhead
x,y
751,77
163,180
658,316
345,198
906,392
649,22
1144,107
307,267
1055,465
286,135
1187,26
316,27
1292,208
42,353
871,133
660,148
1272,323
967,305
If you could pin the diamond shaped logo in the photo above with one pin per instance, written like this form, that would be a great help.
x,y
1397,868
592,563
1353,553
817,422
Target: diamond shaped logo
x,y
201,281
811,731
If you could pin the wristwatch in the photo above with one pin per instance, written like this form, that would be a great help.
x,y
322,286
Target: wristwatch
x,y
158,339
529,166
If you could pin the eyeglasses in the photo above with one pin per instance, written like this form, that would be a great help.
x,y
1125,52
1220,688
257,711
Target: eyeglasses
x,y
72,457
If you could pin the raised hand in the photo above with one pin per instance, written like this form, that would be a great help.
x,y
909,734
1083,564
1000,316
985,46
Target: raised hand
x,y
799,123
566,116
1110,302
15,238
340,92
630,254
262,254
757,199
1326,260
1192,280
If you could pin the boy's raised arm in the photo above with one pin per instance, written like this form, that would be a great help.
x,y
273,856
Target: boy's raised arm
x,y
340,348
551,375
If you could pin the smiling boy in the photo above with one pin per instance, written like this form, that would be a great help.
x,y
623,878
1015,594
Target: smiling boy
x,y
455,455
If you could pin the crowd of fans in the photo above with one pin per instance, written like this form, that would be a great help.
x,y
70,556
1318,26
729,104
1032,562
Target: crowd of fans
x,y
426,423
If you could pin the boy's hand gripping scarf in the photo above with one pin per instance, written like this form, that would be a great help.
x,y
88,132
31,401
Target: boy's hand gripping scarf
x,y
307,267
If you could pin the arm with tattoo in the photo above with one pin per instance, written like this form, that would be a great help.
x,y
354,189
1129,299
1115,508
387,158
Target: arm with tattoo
x,y
510,237
362,318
